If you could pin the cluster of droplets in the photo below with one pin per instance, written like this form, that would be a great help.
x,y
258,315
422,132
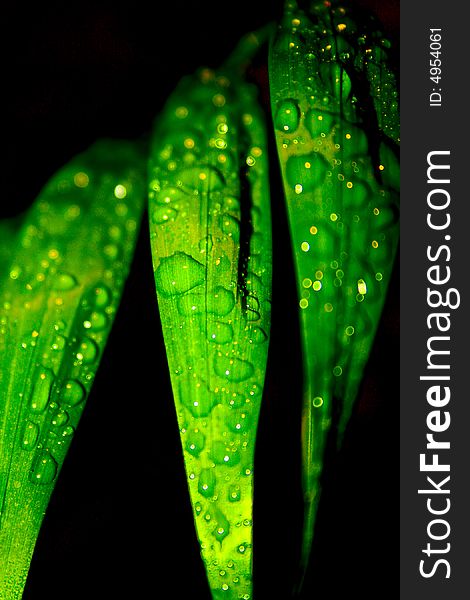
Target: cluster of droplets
x,y
210,233
333,44
58,303
229,582
56,401
342,178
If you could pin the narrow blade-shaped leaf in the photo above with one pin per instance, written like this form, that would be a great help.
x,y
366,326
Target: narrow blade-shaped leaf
x,y
57,303
335,111
211,243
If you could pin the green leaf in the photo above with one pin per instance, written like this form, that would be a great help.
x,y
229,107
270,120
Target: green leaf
x,y
335,114
58,300
211,244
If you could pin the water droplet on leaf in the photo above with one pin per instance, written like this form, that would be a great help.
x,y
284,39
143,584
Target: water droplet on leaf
x,y
44,469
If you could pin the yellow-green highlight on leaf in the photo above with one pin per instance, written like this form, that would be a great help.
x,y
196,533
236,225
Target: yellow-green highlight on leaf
x,y
58,299
211,244
335,114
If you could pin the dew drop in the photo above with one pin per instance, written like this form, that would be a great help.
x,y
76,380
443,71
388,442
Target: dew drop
x,y
287,117
234,493
238,420
220,302
353,141
81,179
120,191
232,368
66,434
221,531
308,177
252,303
191,304
231,227
101,296
218,100
87,351
60,326
58,343
72,393
203,179
15,272
44,469
232,203
222,454
362,287
111,251
359,194
206,483
60,418
385,217
115,233
164,214
42,387
64,282
219,333
178,274
319,122
30,436
317,285
96,321
257,335
201,403
252,315
254,284
169,195
194,442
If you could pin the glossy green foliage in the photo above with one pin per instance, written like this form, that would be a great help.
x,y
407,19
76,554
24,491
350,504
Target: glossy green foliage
x,y
58,299
335,113
211,245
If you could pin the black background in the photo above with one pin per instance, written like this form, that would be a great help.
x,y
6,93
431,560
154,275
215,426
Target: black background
x,y
120,521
